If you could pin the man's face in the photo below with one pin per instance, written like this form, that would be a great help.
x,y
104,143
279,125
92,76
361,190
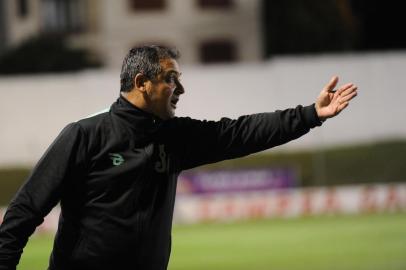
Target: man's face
x,y
164,90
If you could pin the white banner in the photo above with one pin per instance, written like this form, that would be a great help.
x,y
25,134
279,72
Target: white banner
x,y
291,203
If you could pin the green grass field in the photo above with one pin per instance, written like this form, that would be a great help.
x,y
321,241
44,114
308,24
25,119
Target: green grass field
x,y
370,242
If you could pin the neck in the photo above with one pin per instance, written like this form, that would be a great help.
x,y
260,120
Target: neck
x,y
135,98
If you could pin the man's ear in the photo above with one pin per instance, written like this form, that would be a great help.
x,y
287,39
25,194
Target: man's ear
x,y
140,82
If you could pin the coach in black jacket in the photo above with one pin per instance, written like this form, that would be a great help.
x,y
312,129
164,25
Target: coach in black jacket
x,y
115,173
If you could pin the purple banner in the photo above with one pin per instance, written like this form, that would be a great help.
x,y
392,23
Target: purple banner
x,y
236,180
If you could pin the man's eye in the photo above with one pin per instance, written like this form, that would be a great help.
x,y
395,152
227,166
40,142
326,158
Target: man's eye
x,y
170,79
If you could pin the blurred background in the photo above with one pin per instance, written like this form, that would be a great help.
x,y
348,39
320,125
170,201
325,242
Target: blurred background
x,y
335,198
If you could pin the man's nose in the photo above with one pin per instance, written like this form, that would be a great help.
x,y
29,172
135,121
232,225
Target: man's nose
x,y
179,89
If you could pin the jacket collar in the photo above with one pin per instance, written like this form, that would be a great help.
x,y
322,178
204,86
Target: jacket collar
x,y
134,117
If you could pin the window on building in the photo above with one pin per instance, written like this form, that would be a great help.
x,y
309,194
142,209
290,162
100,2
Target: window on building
x,y
64,16
215,3
22,8
147,4
216,51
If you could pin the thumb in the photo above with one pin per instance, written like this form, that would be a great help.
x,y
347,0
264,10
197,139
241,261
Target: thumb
x,y
331,84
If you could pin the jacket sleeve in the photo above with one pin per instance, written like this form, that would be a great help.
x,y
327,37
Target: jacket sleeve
x,y
204,142
40,193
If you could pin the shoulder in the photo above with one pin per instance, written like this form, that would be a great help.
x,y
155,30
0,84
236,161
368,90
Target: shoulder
x,y
185,121
180,124
185,126
89,128
94,120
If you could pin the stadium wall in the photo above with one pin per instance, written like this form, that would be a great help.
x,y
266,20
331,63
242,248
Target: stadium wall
x,y
33,109
288,203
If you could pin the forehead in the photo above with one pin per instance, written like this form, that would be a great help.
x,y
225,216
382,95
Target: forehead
x,y
169,64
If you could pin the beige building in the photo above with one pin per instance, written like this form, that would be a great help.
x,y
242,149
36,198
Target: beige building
x,y
19,20
205,31
23,19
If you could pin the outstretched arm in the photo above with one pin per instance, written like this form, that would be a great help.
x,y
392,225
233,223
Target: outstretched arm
x,y
202,142
330,102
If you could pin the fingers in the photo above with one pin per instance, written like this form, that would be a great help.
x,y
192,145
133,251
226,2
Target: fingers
x,y
344,88
347,97
342,106
347,94
332,83
348,91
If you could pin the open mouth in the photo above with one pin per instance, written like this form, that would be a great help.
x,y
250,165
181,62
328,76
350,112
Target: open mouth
x,y
173,102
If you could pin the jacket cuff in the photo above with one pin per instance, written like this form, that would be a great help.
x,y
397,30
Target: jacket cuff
x,y
310,116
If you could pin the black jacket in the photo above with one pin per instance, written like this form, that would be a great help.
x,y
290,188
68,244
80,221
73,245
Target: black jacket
x,y
115,174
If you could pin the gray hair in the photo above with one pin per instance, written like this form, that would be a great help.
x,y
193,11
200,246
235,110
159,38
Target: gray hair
x,y
145,60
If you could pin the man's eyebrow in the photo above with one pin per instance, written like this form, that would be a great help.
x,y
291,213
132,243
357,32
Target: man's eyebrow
x,y
173,71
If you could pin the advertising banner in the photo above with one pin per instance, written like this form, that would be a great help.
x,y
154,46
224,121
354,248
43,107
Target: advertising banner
x,y
282,203
221,181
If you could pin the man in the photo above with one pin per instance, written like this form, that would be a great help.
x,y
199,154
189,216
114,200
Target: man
x,y
115,173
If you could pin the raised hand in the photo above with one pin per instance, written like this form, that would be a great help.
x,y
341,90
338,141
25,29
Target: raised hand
x,y
330,102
